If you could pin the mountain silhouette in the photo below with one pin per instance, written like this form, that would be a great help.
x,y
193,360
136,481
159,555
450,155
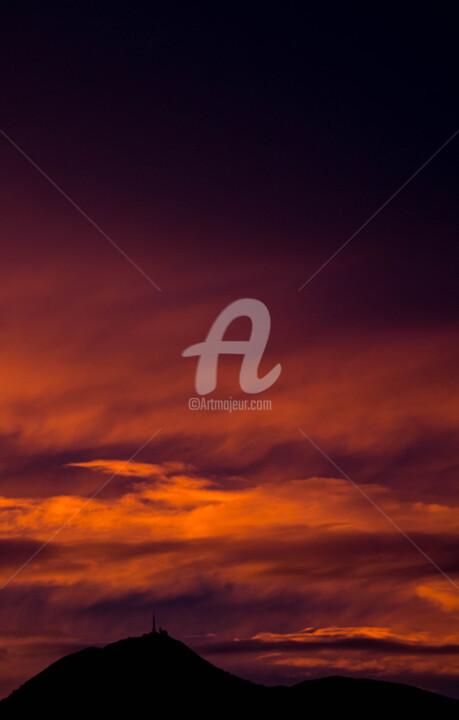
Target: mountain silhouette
x,y
155,674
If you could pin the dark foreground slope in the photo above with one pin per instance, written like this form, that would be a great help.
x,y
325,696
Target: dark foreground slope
x,y
155,675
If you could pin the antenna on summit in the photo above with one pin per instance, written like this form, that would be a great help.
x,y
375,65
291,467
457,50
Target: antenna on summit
x,y
153,630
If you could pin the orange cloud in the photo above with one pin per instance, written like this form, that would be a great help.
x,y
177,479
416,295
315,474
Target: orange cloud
x,y
447,600
130,468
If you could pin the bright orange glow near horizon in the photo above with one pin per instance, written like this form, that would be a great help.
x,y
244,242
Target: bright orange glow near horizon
x,y
226,510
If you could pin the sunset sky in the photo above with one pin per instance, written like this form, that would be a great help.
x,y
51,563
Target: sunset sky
x,y
229,153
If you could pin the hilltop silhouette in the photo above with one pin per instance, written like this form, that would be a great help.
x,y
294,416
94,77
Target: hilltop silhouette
x,y
155,674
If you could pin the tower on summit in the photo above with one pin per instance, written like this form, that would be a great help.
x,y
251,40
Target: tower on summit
x,y
154,631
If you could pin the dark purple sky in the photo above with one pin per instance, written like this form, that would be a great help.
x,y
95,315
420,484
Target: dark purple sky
x,y
229,151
